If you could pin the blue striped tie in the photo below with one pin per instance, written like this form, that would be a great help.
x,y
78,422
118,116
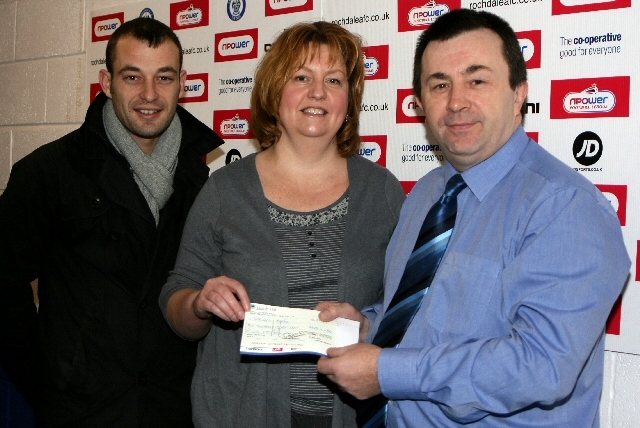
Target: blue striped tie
x,y
421,268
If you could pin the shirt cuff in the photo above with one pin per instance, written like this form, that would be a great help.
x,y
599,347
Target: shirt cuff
x,y
371,313
398,375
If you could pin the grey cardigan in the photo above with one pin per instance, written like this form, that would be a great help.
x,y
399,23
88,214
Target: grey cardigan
x,y
229,232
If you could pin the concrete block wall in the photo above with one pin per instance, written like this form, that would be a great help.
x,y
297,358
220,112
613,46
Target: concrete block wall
x,y
42,97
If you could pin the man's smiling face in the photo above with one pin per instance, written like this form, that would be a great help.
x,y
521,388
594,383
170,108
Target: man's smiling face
x,y
145,87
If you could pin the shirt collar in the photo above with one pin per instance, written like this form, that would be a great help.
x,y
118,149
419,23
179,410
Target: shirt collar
x,y
483,177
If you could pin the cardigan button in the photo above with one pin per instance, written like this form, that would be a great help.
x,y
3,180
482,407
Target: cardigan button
x,y
96,202
115,236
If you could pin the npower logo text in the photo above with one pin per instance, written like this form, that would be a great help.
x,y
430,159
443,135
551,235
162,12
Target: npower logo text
x,y
237,45
196,88
376,62
280,7
419,14
104,26
530,45
189,14
407,109
232,124
374,148
591,97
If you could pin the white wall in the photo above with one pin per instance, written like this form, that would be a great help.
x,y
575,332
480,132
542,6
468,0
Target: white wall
x,y
42,97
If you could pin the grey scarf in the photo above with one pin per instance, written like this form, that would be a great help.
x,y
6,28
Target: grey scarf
x,y
153,173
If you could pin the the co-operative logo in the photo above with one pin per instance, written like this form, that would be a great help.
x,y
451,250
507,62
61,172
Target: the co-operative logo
x,y
189,14
236,45
105,25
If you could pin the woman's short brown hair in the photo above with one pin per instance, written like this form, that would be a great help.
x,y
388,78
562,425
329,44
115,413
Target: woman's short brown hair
x,y
288,54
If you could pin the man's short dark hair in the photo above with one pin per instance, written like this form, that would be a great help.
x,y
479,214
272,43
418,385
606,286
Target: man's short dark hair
x,y
461,21
145,30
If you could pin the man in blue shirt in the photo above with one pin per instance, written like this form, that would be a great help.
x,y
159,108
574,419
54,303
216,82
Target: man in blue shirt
x,y
511,331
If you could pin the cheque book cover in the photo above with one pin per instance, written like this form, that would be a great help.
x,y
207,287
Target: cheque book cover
x,y
277,330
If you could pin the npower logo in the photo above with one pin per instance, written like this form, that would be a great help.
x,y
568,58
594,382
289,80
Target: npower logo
x,y
407,109
232,124
196,88
591,100
595,97
615,316
94,91
374,148
419,14
376,62
533,135
617,195
236,45
530,45
281,7
104,26
189,14
408,186
562,7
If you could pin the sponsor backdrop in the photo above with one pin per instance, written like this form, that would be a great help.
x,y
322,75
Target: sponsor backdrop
x,y
583,76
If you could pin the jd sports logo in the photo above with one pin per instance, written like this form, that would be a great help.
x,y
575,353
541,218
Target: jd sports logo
x,y
587,148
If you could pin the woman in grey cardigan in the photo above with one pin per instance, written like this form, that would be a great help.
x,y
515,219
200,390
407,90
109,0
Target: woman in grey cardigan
x,y
306,220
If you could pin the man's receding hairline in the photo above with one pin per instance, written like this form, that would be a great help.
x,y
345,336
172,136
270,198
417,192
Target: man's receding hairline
x,y
149,45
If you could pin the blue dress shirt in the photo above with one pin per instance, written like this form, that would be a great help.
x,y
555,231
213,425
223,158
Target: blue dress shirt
x,y
511,332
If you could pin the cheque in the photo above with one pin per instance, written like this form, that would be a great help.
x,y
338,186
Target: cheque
x,y
276,330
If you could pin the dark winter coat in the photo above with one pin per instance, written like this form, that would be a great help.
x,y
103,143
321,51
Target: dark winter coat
x,y
98,352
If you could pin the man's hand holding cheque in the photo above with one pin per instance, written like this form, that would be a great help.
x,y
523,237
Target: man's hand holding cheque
x,y
355,367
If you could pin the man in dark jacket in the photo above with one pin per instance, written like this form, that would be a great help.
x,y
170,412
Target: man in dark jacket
x,y
97,217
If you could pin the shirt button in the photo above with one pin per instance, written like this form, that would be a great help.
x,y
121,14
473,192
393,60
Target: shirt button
x,y
309,233
142,305
115,236
313,256
311,244
96,202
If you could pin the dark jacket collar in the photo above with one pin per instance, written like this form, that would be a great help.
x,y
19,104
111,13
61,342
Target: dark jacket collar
x,y
92,153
